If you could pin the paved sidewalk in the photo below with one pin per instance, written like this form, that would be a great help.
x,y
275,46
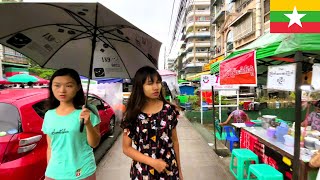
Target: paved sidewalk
x,y
199,161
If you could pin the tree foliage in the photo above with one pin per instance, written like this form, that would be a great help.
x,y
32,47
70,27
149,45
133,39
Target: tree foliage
x,y
39,71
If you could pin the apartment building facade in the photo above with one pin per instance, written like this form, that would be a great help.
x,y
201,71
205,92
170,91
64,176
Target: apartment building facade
x,y
11,62
236,23
191,37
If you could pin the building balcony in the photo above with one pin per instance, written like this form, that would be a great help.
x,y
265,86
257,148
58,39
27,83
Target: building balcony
x,y
198,34
198,13
198,44
190,55
199,3
193,67
221,11
14,60
199,23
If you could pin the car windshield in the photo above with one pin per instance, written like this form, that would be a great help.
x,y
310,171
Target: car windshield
x,y
9,119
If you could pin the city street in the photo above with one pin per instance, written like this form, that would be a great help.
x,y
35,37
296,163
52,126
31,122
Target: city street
x,y
198,159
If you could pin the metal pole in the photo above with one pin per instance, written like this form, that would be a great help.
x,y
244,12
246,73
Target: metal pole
x,y
238,92
201,106
94,42
214,118
297,133
220,108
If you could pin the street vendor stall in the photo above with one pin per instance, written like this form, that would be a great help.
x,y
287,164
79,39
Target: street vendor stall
x,y
302,50
278,154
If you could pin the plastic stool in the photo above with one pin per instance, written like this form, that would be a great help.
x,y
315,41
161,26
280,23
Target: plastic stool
x,y
232,138
244,158
264,172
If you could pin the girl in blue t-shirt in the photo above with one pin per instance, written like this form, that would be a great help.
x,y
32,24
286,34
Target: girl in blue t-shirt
x,y
69,153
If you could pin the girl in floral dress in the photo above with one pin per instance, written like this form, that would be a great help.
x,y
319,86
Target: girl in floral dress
x,y
150,122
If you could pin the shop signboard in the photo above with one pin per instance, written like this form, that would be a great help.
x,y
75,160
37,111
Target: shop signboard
x,y
240,70
282,77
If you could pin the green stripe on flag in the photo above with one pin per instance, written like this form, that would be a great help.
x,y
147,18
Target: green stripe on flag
x,y
310,16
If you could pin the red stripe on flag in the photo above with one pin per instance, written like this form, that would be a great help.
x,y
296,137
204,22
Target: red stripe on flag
x,y
307,27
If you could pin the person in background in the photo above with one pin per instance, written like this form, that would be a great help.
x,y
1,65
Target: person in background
x,y
30,84
238,116
313,118
69,151
150,122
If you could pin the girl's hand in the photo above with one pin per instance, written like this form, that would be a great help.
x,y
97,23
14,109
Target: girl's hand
x,y
159,165
85,114
180,176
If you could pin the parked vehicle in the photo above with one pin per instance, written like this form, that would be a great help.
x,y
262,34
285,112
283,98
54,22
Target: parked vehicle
x,y
22,144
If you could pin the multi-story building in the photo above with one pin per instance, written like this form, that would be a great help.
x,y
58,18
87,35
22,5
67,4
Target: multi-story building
x,y
11,62
170,64
191,37
237,23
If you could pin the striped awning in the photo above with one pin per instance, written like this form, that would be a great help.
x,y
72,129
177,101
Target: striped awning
x,y
215,67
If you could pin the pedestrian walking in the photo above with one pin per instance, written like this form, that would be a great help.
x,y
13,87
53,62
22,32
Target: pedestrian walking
x,y
150,122
69,153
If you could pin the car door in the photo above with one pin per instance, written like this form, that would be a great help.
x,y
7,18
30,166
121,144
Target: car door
x,y
104,125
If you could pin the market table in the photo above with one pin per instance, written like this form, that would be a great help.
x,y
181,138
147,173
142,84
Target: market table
x,y
273,152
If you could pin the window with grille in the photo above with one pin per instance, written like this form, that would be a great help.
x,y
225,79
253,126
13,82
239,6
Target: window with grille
x,y
244,28
229,40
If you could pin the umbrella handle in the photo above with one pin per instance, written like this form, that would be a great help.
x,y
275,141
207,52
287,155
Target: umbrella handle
x,y
81,125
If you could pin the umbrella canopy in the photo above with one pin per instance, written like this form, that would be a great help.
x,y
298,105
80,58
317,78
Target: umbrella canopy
x,y
86,37
59,35
165,72
41,80
22,78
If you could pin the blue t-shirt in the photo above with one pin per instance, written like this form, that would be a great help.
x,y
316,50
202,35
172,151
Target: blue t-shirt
x,y
71,155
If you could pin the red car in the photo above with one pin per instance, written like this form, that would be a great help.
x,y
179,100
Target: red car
x,y
22,143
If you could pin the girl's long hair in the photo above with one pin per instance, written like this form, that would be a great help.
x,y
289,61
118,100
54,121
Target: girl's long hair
x,y
78,100
137,98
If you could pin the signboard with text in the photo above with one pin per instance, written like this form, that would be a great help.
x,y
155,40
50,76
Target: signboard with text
x,y
211,80
282,77
239,70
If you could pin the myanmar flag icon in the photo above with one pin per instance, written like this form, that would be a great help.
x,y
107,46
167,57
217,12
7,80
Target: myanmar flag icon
x,y
295,16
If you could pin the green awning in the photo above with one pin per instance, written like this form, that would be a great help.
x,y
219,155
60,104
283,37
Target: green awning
x,y
281,45
278,45
215,67
182,80
196,79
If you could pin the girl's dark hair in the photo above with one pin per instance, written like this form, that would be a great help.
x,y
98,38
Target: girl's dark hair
x,y
78,100
137,98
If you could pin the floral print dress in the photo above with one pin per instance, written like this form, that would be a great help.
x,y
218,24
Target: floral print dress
x,y
152,137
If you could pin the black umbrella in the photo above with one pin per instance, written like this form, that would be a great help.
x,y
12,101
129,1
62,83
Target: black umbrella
x,y
86,37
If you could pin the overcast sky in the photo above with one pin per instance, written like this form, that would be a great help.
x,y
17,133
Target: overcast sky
x,y
151,16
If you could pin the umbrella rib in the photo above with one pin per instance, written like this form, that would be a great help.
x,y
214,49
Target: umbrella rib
x,y
112,39
135,47
70,12
81,38
119,57
75,29
112,47
60,48
20,31
122,26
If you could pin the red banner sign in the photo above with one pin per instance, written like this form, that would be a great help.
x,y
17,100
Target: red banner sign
x,y
239,70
